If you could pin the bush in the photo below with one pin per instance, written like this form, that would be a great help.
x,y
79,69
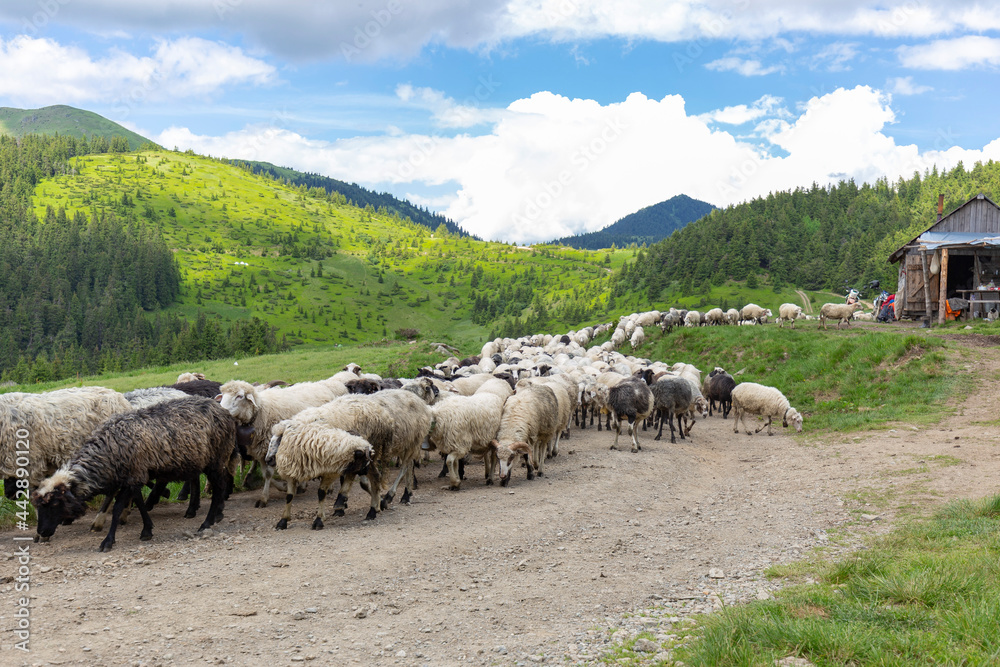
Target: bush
x,y
407,334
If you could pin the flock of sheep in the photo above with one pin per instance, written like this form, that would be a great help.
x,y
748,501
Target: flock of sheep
x,y
512,402
752,314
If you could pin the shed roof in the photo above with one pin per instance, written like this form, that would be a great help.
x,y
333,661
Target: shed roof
x,y
933,240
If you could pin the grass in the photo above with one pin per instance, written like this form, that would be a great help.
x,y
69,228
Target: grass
x,y
927,594
840,380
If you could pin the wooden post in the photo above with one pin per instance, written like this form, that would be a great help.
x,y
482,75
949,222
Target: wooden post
x,y
943,291
927,288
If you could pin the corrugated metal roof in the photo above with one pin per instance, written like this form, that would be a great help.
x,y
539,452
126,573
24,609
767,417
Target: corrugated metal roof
x,y
934,240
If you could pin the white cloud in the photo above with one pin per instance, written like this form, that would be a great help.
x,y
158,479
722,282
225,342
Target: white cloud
x,y
748,67
836,57
903,85
42,71
370,30
446,112
952,54
553,166
741,113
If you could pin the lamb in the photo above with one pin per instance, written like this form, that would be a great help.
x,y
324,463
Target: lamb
x,y
465,425
56,422
260,409
838,311
672,397
527,423
171,441
638,338
715,317
630,399
788,312
315,449
718,386
750,398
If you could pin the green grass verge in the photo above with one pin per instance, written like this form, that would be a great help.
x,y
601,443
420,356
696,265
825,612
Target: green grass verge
x,y
840,380
927,594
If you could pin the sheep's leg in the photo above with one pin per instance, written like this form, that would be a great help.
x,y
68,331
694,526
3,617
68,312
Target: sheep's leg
x,y
632,432
195,501
618,431
444,468
125,495
158,491
346,482
451,465
404,469
489,463
410,483
375,480
680,425
766,425
287,514
593,409
324,486
147,523
185,491
102,513
218,479
527,464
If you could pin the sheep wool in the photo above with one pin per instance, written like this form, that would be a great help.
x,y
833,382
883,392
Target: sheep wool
x,y
750,398
842,312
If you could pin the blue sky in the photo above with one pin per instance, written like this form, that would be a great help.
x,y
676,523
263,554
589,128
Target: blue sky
x,y
526,120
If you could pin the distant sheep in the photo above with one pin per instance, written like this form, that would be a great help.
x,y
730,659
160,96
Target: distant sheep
x,y
754,313
750,398
638,338
733,316
842,312
715,317
692,319
190,377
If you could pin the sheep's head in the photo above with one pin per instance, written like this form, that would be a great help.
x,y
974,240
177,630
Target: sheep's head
x,y
794,417
506,454
701,406
56,502
240,399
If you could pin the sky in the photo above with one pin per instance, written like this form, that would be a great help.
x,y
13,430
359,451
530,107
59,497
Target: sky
x,y
529,120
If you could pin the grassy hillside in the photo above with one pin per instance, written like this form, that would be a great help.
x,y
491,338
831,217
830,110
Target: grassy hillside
x,y
321,270
64,120
644,227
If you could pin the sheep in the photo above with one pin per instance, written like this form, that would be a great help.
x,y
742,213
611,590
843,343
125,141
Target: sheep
x,y
201,387
753,312
715,317
190,377
788,312
56,422
412,422
467,386
315,449
638,338
354,413
672,397
842,312
669,320
260,409
565,394
692,319
527,423
864,317
750,398
733,316
630,399
141,398
718,386
170,441
618,338
465,425
362,386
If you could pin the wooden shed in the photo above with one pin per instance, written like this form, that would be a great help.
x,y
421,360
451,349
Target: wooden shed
x,y
958,257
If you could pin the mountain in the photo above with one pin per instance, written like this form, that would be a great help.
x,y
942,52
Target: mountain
x,y
644,227
67,121
357,195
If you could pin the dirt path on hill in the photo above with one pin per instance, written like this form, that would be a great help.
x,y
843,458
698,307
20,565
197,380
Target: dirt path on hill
x,y
806,304
533,573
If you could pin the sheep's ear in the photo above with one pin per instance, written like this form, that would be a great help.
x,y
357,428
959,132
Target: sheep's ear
x,y
218,398
250,397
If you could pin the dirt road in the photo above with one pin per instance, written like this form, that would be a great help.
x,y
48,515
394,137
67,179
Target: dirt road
x,y
529,573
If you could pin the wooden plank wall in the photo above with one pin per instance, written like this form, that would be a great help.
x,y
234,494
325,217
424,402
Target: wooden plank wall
x,y
978,216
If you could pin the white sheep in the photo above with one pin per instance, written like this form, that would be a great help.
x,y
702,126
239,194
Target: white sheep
x,y
315,449
466,425
638,338
733,316
864,317
52,426
753,312
692,319
842,312
715,317
788,312
618,338
750,398
528,422
190,377
261,409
